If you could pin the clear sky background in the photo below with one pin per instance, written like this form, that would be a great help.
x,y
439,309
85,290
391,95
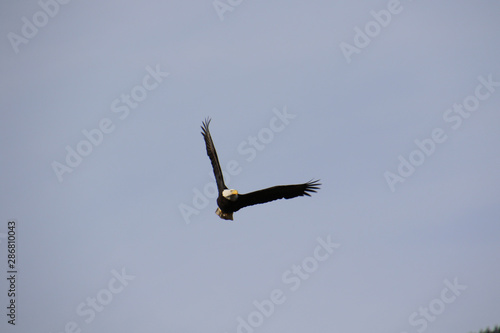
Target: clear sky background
x,y
124,239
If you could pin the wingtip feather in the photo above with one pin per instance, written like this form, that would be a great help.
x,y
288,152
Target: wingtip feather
x,y
204,126
312,186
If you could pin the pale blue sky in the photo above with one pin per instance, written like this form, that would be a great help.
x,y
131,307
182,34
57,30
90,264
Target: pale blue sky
x,y
118,212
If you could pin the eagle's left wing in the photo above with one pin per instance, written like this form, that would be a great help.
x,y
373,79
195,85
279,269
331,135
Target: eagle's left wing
x,y
277,192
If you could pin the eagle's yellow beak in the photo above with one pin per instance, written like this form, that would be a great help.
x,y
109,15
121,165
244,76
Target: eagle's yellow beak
x,y
234,192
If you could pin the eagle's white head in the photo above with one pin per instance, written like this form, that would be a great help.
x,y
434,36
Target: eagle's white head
x,y
231,194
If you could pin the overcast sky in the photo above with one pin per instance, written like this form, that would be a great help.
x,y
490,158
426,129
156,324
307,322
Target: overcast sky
x,y
394,105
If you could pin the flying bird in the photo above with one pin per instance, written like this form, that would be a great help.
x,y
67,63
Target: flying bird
x,y
230,201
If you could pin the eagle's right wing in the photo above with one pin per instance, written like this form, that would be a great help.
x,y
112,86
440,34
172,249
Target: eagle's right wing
x,y
212,154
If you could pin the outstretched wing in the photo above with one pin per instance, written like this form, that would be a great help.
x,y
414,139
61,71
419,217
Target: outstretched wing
x,y
212,154
277,192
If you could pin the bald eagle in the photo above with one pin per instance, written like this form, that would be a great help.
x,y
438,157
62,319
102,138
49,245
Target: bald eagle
x,y
230,201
